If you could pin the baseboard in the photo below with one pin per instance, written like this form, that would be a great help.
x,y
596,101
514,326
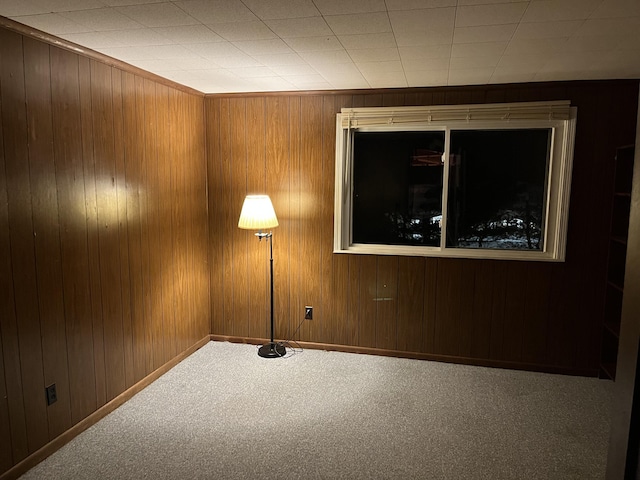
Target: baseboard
x,y
58,442
480,362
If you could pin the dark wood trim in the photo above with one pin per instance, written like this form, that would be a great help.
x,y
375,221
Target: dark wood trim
x,y
58,442
92,54
478,362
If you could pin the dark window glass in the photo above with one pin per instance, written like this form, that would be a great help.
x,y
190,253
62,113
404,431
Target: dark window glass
x,y
497,188
397,196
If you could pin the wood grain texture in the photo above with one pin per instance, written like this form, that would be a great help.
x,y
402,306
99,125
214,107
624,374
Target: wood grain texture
x,y
88,179
480,310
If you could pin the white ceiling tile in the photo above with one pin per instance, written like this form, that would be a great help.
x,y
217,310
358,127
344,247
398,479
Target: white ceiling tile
x,y
102,19
312,44
591,44
422,52
556,10
470,76
282,8
547,29
478,49
523,62
490,14
426,78
321,57
426,64
300,69
359,23
387,80
186,34
271,84
609,27
368,40
279,59
339,7
195,63
488,33
373,69
252,72
485,2
423,27
23,8
140,37
217,11
341,73
534,46
617,8
299,27
263,47
171,51
215,49
236,61
121,3
509,75
94,39
418,4
67,5
128,53
157,15
359,55
474,62
53,23
254,30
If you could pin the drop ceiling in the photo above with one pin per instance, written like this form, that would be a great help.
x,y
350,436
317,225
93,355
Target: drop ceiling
x,y
222,46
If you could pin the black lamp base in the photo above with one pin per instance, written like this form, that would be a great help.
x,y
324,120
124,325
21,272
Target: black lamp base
x,y
271,350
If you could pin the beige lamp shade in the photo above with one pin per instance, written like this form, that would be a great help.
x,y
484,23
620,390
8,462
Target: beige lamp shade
x,y
257,213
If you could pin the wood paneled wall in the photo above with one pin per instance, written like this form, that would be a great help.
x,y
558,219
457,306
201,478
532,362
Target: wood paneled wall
x,y
545,316
104,272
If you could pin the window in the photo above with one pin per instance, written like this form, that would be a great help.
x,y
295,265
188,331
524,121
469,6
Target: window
x,y
475,181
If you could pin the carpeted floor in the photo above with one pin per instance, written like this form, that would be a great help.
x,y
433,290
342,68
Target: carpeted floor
x,y
226,413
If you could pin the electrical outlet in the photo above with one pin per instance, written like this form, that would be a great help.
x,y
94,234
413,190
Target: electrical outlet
x,y
52,396
308,313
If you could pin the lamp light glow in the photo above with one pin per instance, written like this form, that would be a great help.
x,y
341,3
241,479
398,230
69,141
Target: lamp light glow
x,y
257,213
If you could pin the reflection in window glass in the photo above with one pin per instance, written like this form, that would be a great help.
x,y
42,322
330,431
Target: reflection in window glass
x,y
397,187
497,188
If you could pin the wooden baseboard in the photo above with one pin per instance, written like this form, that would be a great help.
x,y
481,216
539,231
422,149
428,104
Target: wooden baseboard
x,y
55,444
480,362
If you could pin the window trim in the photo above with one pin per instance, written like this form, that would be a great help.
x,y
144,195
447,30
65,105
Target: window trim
x,y
559,116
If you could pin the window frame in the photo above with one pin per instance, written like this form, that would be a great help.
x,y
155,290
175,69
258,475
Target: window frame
x,y
560,117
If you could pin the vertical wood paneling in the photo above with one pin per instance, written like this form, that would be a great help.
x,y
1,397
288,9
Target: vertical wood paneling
x,y
447,315
215,211
46,231
70,182
368,284
430,296
108,227
230,220
14,121
86,109
276,128
311,211
121,189
262,169
83,237
241,238
295,130
482,291
8,321
410,303
386,302
133,152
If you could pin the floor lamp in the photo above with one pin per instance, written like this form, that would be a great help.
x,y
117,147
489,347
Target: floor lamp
x,y
258,214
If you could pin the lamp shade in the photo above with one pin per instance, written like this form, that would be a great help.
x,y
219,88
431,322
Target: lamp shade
x,y
257,213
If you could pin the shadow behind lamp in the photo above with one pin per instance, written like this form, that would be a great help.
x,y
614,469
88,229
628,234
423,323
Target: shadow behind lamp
x,y
258,214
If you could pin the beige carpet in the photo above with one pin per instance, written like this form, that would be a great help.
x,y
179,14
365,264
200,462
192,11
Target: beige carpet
x,y
226,413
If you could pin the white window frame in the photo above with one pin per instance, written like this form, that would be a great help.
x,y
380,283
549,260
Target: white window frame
x,y
560,117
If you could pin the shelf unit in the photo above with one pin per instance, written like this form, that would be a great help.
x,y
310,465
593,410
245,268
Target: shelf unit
x,y
617,260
